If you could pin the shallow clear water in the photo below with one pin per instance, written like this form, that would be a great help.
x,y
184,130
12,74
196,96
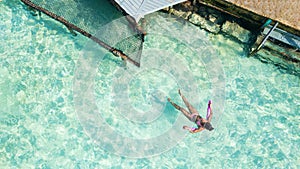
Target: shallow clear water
x,y
41,125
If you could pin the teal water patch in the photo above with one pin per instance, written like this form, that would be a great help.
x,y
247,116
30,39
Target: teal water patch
x,y
39,128
34,73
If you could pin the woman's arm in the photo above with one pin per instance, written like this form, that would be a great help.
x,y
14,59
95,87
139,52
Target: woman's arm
x,y
210,111
211,114
197,130
192,129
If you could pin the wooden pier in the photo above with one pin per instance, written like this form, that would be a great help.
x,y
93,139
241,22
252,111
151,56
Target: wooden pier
x,y
286,12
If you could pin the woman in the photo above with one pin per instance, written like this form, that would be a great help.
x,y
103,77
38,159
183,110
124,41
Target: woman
x,y
194,116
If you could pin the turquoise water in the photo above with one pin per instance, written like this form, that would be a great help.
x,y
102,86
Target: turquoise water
x,y
41,125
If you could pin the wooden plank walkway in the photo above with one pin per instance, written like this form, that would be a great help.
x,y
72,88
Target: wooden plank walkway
x,y
286,12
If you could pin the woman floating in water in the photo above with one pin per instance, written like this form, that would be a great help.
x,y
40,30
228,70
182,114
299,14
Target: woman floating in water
x,y
194,116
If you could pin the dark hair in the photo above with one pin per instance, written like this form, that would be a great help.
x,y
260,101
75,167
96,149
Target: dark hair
x,y
208,126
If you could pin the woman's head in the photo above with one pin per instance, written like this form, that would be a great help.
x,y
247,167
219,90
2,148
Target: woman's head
x,y
208,126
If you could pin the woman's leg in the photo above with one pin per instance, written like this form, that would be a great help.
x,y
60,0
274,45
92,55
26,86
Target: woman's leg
x,y
185,112
188,105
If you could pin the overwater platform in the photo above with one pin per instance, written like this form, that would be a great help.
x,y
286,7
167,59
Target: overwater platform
x,y
285,12
256,19
139,8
